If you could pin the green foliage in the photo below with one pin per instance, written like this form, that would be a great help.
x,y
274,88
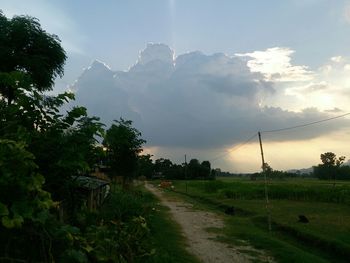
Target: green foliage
x,y
331,167
27,49
124,145
18,177
63,153
119,232
40,149
115,241
193,170
145,166
123,205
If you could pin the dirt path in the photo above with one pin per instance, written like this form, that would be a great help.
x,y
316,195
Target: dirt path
x,y
194,224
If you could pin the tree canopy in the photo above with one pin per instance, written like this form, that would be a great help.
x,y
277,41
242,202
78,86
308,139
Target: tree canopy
x,y
331,167
124,144
30,57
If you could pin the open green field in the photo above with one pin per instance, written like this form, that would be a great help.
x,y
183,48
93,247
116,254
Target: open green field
x,y
326,238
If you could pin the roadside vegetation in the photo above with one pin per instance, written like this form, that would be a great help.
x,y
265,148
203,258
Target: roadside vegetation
x,y
46,215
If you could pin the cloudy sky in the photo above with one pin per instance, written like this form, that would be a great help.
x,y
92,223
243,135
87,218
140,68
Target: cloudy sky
x,y
201,77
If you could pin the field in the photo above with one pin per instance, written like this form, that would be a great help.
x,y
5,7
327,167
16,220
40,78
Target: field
x,y
325,238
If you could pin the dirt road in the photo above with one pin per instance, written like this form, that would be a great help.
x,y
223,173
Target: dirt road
x,y
194,224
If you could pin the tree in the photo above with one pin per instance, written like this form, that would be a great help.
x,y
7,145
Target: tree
x,y
163,167
194,169
329,159
124,144
205,169
145,166
30,57
66,149
330,166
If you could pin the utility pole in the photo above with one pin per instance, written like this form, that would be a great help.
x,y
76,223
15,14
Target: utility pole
x,y
186,172
266,191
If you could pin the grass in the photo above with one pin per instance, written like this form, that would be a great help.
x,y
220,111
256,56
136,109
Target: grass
x,y
326,238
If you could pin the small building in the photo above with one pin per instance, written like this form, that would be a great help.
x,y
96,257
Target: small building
x,y
94,190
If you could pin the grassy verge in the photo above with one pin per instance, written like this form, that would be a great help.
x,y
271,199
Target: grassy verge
x,y
166,236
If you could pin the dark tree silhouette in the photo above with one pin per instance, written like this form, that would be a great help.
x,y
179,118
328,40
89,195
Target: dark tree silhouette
x,y
30,57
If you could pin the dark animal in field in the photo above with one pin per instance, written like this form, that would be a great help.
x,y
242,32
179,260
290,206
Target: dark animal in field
x,y
303,219
230,211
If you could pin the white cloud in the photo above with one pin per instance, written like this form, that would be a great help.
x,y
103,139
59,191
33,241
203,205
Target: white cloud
x,y
308,88
202,105
275,64
337,59
154,52
195,101
329,88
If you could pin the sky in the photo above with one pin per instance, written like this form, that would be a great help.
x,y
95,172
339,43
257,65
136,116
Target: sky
x,y
201,77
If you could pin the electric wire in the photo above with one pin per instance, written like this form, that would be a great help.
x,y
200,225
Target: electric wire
x,y
235,148
306,124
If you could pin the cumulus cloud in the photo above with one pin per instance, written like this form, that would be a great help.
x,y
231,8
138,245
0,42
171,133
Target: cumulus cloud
x,y
337,59
195,100
308,88
275,65
154,52
328,88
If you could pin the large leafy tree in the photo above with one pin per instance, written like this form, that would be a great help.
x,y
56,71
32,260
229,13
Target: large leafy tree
x,y
205,169
63,145
194,169
41,150
330,167
124,144
330,159
30,57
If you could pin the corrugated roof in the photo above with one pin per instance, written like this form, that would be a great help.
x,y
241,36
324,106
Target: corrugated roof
x,y
90,182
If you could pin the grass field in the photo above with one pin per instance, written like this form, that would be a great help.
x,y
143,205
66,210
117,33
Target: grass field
x,y
326,238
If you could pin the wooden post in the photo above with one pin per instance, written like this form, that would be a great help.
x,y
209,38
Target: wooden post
x,y
186,172
265,184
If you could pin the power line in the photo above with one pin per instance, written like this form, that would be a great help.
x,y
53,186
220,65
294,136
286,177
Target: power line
x,y
306,124
277,130
235,148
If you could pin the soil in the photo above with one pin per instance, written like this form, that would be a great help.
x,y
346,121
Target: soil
x,y
201,243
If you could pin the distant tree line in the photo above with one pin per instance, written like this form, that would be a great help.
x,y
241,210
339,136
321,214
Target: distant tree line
x,y
164,168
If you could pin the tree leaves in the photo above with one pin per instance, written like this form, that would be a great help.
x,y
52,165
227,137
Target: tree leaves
x,y
3,210
124,143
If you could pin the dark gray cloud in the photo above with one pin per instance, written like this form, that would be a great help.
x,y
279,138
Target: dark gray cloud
x,y
195,101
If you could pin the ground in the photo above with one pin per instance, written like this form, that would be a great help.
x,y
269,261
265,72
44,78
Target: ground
x,y
201,242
